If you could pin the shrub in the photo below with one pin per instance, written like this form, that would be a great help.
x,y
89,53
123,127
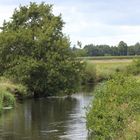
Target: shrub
x,y
36,53
6,99
116,102
18,90
9,91
89,75
134,67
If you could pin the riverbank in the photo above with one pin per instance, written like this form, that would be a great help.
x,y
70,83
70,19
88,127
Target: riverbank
x,y
115,109
114,112
116,100
95,72
10,92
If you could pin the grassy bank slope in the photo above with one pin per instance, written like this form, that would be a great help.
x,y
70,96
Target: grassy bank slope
x,y
115,110
9,91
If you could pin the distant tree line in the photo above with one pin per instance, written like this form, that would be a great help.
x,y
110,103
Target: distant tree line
x,y
105,50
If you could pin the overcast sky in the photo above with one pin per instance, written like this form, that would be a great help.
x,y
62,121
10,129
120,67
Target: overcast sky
x,y
91,21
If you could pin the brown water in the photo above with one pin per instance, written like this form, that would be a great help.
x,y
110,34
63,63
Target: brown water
x,y
59,118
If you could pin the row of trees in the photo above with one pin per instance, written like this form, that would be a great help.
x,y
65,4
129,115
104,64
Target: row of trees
x,y
102,50
35,52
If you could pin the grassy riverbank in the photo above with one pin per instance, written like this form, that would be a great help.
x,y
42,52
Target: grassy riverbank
x,y
114,112
115,109
9,92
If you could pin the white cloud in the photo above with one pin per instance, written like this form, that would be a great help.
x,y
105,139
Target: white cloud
x,y
6,12
101,25
98,22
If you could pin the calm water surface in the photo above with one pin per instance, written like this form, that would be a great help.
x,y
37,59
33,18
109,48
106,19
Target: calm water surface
x,y
59,118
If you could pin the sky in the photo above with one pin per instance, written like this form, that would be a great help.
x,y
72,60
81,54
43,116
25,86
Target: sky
x,y
90,21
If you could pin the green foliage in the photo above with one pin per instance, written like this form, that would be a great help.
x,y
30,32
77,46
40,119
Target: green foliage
x,y
134,67
35,52
8,91
17,89
122,48
79,52
114,107
6,99
1,102
89,74
105,50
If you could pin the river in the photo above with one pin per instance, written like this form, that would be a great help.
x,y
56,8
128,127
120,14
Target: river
x,y
56,118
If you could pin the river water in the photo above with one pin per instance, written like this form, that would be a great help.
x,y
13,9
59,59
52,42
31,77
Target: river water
x,y
56,118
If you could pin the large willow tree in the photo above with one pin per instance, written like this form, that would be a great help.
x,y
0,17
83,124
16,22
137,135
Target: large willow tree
x,y
35,52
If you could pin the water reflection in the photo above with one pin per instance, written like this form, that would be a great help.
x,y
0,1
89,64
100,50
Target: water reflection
x,y
46,119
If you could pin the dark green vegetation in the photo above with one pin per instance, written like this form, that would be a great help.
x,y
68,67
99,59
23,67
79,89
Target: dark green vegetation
x,y
89,74
105,50
8,91
35,52
115,110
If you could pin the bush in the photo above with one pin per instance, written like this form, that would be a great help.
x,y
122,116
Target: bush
x,y
134,67
16,89
89,75
9,91
115,106
36,53
6,99
45,79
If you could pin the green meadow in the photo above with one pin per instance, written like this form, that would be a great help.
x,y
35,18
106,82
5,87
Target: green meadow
x,y
104,69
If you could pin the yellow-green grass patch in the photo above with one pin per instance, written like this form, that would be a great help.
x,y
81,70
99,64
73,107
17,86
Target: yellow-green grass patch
x,y
106,68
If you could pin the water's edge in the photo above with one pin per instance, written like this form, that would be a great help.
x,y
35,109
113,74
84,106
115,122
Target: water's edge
x,y
46,119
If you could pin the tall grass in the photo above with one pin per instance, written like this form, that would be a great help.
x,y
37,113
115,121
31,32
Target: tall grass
x,y
9,91
103,69
89,75
16,88
6,99
134,67
115,110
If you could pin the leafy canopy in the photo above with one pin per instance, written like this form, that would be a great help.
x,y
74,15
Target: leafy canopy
x,y
35,51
